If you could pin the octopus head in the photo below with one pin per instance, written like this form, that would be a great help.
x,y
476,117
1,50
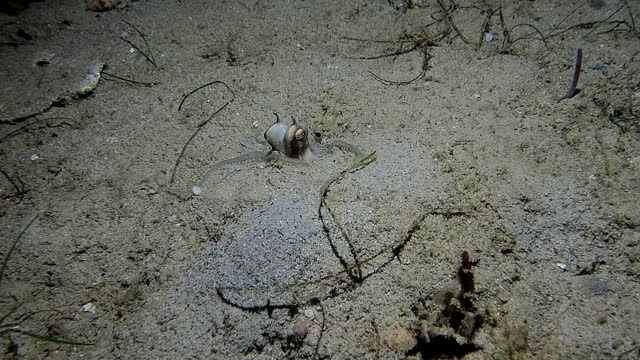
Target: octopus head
x,y
290,140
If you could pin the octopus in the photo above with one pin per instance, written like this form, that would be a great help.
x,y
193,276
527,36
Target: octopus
x,y
289,142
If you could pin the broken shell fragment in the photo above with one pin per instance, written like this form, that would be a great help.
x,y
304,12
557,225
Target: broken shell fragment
x,y
91,79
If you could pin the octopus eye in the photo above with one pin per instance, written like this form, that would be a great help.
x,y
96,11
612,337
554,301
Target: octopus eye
x,y
300,134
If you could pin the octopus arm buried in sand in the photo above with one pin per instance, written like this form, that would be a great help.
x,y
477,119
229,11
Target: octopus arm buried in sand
x,y
290,143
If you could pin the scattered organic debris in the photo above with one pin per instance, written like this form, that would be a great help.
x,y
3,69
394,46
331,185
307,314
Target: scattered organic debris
x,y
448,17
50,122
465,273
459,310
408,43
509,41
330,286
102,5
592,266
620,24
148,54
634,349
83,91
451,331
201,125
443,19
19,190
435,346
112,77
354,271
615,22
14,327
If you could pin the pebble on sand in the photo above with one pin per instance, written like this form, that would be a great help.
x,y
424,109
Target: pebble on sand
x,y
401,339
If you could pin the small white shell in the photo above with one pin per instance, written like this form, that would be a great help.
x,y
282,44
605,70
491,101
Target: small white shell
x,y
89,307
275,136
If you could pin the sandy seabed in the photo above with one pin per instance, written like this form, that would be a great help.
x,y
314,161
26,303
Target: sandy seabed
x,y
495,222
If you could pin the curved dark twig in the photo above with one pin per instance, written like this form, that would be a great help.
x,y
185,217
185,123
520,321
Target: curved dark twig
x,y
202,124
13,246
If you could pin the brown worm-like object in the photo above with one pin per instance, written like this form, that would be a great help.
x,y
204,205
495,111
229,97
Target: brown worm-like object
x,y
573,90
